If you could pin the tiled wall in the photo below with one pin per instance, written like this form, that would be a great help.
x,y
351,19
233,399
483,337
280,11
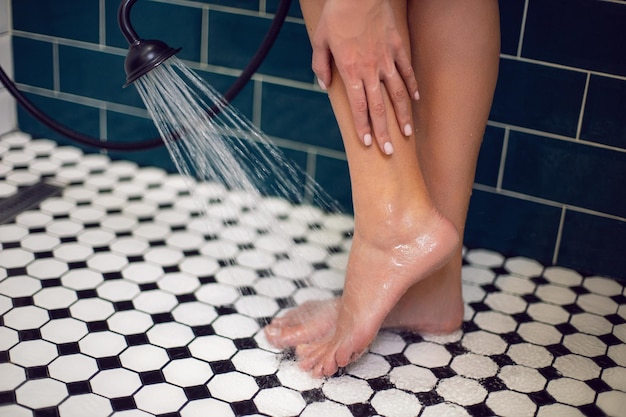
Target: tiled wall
x,y
551,176
8,117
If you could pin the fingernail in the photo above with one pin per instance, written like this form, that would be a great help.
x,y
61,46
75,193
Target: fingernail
x,y
367,139
321,84
388,148
416,95
407,130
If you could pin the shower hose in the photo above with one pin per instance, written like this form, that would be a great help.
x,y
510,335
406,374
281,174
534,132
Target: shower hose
x,y
229,95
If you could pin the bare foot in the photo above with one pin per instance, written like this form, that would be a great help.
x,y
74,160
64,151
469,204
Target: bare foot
x,y
306,323
432,306
381,267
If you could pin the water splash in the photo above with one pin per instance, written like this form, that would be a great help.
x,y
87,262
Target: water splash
x,y
210,140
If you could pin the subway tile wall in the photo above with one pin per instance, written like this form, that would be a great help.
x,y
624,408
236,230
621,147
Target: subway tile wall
x,y
552,169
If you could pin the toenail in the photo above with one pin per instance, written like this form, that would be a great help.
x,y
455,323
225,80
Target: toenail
x,y
272,331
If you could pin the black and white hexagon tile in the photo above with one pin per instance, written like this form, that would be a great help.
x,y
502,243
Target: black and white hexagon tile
x,y
116,299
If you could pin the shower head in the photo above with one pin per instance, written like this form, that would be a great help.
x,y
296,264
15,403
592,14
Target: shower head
x,y
143,55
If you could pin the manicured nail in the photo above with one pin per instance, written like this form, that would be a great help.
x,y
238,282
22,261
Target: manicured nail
x,y
321,84
416,95
407,130
367,139
388,147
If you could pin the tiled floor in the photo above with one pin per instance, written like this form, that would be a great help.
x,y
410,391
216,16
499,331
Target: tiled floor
x,y
116,299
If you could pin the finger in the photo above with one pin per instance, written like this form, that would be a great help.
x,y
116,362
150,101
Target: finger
x,y
400,101
378,116
359,107
405,69
321,65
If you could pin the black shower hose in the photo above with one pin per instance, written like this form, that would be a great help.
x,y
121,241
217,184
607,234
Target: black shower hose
x,y
229,95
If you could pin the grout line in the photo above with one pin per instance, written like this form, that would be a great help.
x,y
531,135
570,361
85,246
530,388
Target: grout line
x,y
505,146
561,66
102,34
257,101
310,86
143,113
10,15
56,71
85,101
103,123
261,12
299,146
311,163
539,200
204,37
554,136
71,42
522,29
582,108
559,235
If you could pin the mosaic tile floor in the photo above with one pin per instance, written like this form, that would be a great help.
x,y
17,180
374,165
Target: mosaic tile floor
x,y
116,299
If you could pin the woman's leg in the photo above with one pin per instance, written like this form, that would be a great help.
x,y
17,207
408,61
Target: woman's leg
x,y
399,238
455,51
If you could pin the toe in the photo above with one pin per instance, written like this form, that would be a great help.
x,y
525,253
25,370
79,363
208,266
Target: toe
x,y
347,354
294,336
310,355
273,334
329,365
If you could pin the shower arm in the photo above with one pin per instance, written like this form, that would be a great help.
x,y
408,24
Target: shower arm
x,y
123,20
132,37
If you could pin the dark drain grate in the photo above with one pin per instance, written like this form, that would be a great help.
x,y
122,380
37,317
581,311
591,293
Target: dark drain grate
x,y
25,199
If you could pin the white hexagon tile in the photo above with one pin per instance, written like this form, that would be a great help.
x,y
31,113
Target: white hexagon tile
x,y
117,298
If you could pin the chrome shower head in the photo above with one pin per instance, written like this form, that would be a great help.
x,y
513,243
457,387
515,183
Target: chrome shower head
x,y
143,55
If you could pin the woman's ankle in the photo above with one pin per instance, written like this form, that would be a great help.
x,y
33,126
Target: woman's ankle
x,y
396,224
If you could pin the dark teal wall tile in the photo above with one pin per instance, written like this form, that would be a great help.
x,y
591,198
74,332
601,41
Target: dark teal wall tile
x,y
593,244
303,115
32,62
63,18
290,56
132,129
282,170
512,226
334,178
231,47
176,25
125,128
566,172
242,4
538,97
296,167
96,75
228,45
586,34
605,112
489,157
511,13
294,9
79,118
222,83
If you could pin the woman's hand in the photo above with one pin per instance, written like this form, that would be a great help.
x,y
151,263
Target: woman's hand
x,y
362,38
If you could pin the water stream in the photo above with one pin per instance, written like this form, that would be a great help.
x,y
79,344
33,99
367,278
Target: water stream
x,y
210,142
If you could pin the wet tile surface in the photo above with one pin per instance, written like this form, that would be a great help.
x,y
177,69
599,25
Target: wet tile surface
x,y
117,299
